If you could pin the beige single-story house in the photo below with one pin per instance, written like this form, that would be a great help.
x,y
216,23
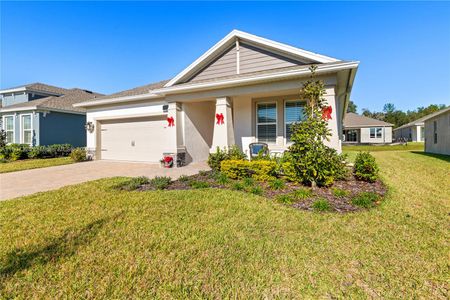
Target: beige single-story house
x,y
413,131
244,89
437,132
364,130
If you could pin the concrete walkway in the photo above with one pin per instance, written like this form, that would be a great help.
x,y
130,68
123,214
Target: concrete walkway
x,y
28,182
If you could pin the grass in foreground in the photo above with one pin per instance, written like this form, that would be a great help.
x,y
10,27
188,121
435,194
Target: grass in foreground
x,y
91,241
412,146
27,164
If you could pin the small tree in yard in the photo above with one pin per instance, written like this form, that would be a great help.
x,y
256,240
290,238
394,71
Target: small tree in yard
x,y
314,162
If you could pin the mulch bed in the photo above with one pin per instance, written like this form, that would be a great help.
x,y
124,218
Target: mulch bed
x,y
338,204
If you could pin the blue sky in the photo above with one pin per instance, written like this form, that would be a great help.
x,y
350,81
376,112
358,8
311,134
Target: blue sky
x,y
404,48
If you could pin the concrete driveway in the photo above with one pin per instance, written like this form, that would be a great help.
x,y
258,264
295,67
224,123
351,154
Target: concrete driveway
x,y
28,182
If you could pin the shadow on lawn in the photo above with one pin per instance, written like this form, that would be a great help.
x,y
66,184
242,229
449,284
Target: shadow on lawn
x,y
438,156
56,248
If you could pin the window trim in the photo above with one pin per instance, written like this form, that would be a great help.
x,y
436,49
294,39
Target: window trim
x,y
276,120
375,135
22,135
286,142
14,127
435,132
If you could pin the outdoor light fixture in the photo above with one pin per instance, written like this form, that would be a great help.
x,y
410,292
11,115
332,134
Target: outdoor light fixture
x,y
89,126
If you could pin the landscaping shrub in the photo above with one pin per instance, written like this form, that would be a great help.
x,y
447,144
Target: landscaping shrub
x,y
183,178
2,138
78,154
233,153
262,170
340,193
237,186
365,199
365,167
5,152
132,184
248,182
195,184
313,161
235,169
285,199
160,182
321,205
256,190
276,184
59,150
221,178
302,193
18,151
37,152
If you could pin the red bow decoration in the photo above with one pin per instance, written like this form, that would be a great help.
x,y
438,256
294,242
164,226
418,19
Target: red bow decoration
x,y
326,113
220,119
171,121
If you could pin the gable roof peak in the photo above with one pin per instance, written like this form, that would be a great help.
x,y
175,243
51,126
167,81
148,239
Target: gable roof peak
x,y
236,35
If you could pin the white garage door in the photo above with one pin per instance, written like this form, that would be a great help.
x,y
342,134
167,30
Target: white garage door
x,y
134,139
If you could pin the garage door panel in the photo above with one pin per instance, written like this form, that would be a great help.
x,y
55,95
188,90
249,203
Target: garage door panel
x,y
140,139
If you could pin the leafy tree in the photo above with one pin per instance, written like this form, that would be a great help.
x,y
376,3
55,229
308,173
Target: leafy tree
x,y
314,162
352,107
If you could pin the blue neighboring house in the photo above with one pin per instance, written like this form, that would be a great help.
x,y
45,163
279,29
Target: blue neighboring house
x,y
41,114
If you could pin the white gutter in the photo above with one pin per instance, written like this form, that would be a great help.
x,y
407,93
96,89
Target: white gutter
x,y
20,89
160,93
6,109
40,108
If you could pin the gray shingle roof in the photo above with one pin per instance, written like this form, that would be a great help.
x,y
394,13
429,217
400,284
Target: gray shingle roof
x,y
41,87
140,90
420,121
63,102
353,120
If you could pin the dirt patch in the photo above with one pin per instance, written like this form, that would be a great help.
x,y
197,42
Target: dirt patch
x,y
339,196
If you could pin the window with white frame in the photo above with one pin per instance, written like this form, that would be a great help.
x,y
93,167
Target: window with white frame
x,y
376,132
294,111
27,134
266,122
9,128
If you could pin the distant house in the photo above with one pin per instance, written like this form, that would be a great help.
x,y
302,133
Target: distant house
x,y
413,131
364,130
437,132
41,114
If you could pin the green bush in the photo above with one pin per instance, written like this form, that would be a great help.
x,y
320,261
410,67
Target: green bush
x,y
256,190
195,184
78,154
19,151
365,167
365,199
238,186
59,150
248,182
215,159
183,178
302,193
277,184
132,184
235,169
5,152
340,193
285,199
221,178
261,170
321,204
37,152
160,182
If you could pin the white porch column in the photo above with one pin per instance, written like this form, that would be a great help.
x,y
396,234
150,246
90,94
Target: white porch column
x,y
223,135
172,131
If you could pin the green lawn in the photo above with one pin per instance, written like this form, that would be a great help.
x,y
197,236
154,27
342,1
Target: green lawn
x,y
27,164
413,146
89,241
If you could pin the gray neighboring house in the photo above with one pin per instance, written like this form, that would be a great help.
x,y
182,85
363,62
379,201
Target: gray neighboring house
x,y
364,130
437,132
413,131
40,114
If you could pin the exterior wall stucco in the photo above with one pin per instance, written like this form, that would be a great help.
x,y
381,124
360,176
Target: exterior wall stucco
x,y
198,129
443,134
386,136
